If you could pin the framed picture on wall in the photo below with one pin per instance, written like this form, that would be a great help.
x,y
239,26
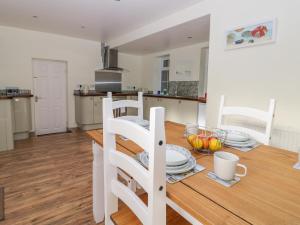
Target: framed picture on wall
x,y
258,33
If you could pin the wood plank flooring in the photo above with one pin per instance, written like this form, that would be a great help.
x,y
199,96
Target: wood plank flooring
x,y
48,181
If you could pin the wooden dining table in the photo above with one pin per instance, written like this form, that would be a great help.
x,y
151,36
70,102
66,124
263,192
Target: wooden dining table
x,y
269,194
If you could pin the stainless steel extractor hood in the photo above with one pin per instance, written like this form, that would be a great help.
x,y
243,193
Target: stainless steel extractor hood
x,y
110,58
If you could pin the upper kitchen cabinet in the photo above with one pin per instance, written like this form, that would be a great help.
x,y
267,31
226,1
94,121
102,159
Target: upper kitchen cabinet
x,y
6,129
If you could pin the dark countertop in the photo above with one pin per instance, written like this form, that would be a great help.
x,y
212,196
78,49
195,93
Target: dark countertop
x,y
189,98
93,93
15,96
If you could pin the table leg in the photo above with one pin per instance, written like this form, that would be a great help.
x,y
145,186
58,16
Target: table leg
x,y
98,183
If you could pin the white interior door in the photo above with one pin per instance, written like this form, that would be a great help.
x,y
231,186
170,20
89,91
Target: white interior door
x,y
50,96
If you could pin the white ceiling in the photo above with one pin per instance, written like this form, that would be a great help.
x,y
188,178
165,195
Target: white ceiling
x,y
170,38
102,19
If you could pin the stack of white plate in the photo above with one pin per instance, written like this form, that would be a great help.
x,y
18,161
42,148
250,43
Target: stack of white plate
x,y
178,159
239,139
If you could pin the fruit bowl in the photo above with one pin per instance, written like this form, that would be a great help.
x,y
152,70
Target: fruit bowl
x,y
206,140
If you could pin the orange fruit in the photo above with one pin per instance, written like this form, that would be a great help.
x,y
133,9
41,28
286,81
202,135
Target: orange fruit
x,y
205,143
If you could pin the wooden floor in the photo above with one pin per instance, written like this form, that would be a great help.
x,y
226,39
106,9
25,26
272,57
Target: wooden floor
x,y
48,180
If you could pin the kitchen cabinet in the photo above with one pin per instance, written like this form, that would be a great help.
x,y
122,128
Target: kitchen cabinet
x,y
179,111
6,129
21,117
149,102
86,115
88,112
98,109
146,107
188,111
132,111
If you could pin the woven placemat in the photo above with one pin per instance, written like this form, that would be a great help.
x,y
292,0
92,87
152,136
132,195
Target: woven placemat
x,y
1,203
297,165
226,183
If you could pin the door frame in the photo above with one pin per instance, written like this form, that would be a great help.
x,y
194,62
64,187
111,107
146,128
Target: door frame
x,y
34,91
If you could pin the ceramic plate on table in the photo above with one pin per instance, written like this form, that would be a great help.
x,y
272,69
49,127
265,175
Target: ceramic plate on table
x,y
141,122
189,165
249,143
176,155
236,136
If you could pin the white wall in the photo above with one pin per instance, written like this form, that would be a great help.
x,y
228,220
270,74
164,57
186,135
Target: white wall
x,y
251,76
132,75
18,47
181,59
247,76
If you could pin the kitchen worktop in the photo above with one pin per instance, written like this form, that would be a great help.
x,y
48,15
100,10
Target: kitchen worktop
x,y
189,98
2,97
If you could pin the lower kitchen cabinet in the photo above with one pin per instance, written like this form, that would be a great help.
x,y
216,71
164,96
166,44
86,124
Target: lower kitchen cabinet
x,y
132,111
98,110
21,117
179,111
88,112
6,129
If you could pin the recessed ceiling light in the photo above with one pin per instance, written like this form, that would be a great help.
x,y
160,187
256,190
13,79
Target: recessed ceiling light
x,y
35,17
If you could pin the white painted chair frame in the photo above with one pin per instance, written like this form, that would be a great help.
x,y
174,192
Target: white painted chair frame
x,y
130,103
264,116
117,105
152,180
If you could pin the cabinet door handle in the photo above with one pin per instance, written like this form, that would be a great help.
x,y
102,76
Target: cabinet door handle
x,y
36,98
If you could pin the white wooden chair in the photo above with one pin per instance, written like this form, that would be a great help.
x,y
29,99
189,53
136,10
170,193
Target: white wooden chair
x,y
264,116
152,180
129,103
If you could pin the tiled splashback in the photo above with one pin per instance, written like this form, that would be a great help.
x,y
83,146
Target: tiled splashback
x,y
184,88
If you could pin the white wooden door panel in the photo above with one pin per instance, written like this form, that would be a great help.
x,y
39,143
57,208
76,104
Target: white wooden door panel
x,y
50,96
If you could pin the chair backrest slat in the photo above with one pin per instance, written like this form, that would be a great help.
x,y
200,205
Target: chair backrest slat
x,y
132,167
140,135
264,116
153,179
129,103
245,111
131,200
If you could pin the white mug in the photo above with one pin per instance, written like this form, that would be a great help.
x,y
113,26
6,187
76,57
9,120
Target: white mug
x,y
225,164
